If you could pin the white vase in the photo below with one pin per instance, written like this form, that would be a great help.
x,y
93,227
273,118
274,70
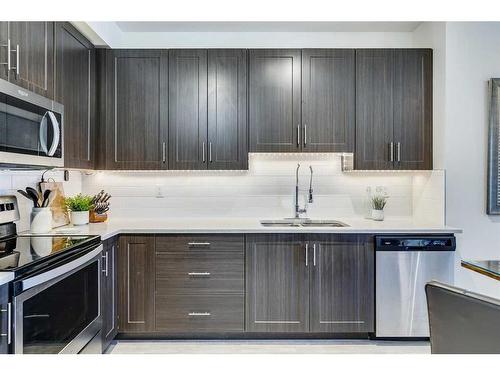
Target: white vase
x,y
79,217
378,215
41,220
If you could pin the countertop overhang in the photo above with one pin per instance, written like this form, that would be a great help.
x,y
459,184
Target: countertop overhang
x,y
220,225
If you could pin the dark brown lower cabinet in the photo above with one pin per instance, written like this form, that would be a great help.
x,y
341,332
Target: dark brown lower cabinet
x,y
342,284
109,298
136,284
277,284
4,319
309,283
200,284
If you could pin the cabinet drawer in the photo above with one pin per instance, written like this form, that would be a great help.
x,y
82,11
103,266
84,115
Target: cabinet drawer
x,y
200,313
197,243
199,273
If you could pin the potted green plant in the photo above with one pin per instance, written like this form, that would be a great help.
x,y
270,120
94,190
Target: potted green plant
x,y
79,206
378,203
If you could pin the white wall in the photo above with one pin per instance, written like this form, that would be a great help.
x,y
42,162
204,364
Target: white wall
x,y
472,58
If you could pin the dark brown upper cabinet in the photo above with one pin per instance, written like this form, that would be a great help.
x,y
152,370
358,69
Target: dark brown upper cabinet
x,y
136,284
328,100
413,109
342,283
208,109
227,109
136,102
75,89
188,109
275,100
393,109
277,284
31,55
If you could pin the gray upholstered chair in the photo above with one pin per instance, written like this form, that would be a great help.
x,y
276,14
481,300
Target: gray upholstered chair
x,y
461,321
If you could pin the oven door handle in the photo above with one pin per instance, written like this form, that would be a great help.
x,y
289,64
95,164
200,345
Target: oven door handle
x,y
56,272
55,129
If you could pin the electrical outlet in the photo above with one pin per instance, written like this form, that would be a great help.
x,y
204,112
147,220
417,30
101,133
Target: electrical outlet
x,y
159,191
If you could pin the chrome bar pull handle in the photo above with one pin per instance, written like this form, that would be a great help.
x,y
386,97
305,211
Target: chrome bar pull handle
x,y
305,134
106,268
298,135
391,151
398,151
8,55
203,152
198,273
314,255
18,71
9,323
198,244
307,253
164,151
210,151
205,313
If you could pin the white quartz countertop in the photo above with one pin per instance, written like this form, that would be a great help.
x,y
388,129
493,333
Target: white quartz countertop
x,y
220,225
5,277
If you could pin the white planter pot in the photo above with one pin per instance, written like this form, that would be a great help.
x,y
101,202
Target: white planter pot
x,y
79,217
41,220
378,215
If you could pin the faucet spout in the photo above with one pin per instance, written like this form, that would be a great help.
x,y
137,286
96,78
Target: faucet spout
x,y
298,210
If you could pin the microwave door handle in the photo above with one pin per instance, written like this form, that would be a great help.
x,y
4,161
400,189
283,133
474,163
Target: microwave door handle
x,y
56,131
43,136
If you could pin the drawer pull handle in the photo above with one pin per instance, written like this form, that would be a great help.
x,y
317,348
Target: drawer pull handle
x,y
200,244
199,273
199,314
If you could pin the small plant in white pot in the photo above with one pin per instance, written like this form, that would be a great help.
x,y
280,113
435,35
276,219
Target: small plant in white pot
x,y
79,206
378,203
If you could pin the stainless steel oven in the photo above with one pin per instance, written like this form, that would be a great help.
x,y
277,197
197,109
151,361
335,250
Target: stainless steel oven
x,y
58,309
31,129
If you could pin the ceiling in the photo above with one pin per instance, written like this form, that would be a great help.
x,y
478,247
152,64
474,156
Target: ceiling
x,y
248,34
166,27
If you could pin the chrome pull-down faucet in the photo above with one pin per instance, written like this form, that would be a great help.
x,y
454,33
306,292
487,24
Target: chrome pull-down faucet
x,y
298,210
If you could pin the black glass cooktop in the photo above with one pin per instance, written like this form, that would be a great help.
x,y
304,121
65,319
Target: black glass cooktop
x,y
22,252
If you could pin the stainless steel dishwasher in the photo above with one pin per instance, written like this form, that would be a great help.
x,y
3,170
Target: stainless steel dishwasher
x,y
404,264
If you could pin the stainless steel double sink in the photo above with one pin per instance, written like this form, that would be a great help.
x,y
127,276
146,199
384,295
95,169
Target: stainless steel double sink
x,y
307,223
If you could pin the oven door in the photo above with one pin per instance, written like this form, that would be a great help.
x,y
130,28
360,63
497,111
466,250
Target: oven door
x,y
30,129
58,311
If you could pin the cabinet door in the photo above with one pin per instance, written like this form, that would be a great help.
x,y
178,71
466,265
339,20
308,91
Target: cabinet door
x,y
75,89
109,293
274,100
4,319
328,100
413,109
277,284
374,109
188,148
136,284
4,37
227,109
35,56
342,283
137,104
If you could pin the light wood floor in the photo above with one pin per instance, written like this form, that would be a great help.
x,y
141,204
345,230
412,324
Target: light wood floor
x,y
269,347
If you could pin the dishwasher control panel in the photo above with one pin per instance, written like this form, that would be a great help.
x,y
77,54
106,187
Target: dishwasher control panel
x,y
415,243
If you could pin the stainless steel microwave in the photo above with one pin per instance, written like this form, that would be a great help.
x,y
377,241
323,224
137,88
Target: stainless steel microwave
x,y
31,129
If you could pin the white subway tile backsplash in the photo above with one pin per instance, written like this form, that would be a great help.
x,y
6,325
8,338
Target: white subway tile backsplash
x,y
266,190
